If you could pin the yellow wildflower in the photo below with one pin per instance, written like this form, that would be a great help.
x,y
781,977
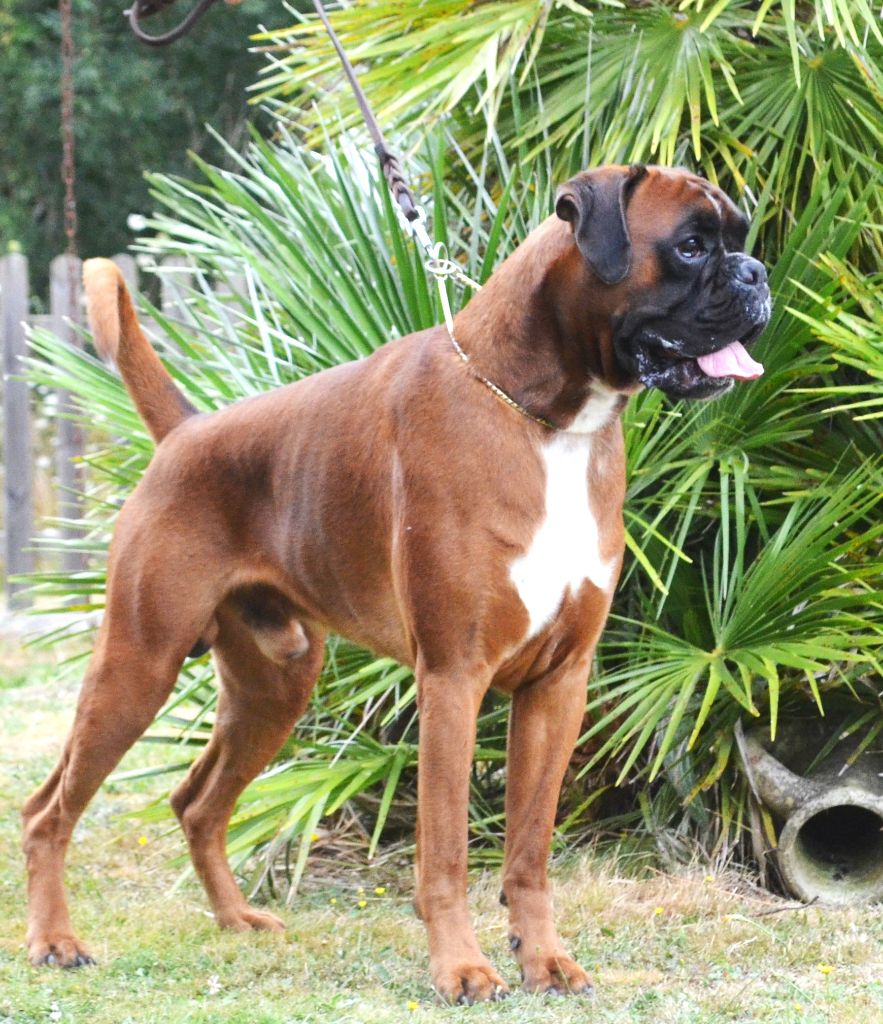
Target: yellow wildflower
x,y
825,969
362,904
142,840
380,890
413,1004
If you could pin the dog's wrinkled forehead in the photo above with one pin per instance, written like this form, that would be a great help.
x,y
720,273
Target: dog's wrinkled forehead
x,y
614,210
708,206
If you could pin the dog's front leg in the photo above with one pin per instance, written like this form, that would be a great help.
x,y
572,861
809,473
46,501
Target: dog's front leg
x,y
544,726
448,708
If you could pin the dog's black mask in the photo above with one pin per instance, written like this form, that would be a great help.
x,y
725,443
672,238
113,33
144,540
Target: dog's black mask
x,y
707,293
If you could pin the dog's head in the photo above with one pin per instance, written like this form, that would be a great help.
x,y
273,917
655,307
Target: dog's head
x,y
662,253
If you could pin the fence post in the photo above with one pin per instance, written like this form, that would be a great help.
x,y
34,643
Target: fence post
x,y
18,452
64,304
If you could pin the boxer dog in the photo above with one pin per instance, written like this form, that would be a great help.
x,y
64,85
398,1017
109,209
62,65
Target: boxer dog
x,y
456,506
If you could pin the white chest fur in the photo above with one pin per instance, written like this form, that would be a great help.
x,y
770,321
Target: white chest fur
x,y
565,550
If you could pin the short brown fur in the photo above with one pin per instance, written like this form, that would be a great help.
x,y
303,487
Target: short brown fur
x,y
385,500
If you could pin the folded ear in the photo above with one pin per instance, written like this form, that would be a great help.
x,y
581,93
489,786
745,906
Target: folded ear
x,y
595,202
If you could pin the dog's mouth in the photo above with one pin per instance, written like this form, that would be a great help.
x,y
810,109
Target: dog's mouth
x,y
664,362
733,361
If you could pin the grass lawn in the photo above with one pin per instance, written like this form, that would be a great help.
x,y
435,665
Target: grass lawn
x,y
689,949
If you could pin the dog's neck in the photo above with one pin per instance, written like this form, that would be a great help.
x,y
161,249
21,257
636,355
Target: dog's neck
x,y
555,366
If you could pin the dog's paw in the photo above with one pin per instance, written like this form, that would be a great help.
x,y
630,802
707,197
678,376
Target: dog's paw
x,y
555,976
249,920
465,983
58,951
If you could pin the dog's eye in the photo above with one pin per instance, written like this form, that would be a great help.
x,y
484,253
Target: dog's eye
x,y
691,248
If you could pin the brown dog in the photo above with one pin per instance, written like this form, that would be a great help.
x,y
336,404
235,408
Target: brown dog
x,y
400,502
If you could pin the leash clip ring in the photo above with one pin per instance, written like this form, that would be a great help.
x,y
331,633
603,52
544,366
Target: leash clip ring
x,y
439,264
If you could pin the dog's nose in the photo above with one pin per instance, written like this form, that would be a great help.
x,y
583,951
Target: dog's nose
x,y
750,271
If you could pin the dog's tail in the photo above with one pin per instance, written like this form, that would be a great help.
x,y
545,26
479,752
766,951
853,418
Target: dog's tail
x,y
118,337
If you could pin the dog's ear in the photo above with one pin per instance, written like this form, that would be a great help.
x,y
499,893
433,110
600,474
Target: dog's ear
x,y
595,204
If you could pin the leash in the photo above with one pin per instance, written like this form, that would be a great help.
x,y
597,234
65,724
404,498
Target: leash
x,y
438,264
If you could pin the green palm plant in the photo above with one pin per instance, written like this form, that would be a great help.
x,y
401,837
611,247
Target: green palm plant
x,y
751,587
805,600
781,100
850,320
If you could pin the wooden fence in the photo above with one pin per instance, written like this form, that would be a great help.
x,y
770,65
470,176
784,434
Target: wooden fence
x,y
19,450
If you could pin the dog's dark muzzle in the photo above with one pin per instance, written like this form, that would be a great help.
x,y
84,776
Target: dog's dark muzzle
x,y
746,283
699,348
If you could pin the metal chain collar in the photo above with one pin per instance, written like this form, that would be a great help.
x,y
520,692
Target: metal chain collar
x,y
442,267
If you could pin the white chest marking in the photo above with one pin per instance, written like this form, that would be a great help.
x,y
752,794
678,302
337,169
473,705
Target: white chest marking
x,y
565,550
596,411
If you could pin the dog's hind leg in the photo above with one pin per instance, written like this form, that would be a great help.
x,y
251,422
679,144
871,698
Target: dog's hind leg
x,y
154,615
123,689
261,699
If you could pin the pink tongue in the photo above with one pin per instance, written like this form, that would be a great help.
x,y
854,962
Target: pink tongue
x,y
732,361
